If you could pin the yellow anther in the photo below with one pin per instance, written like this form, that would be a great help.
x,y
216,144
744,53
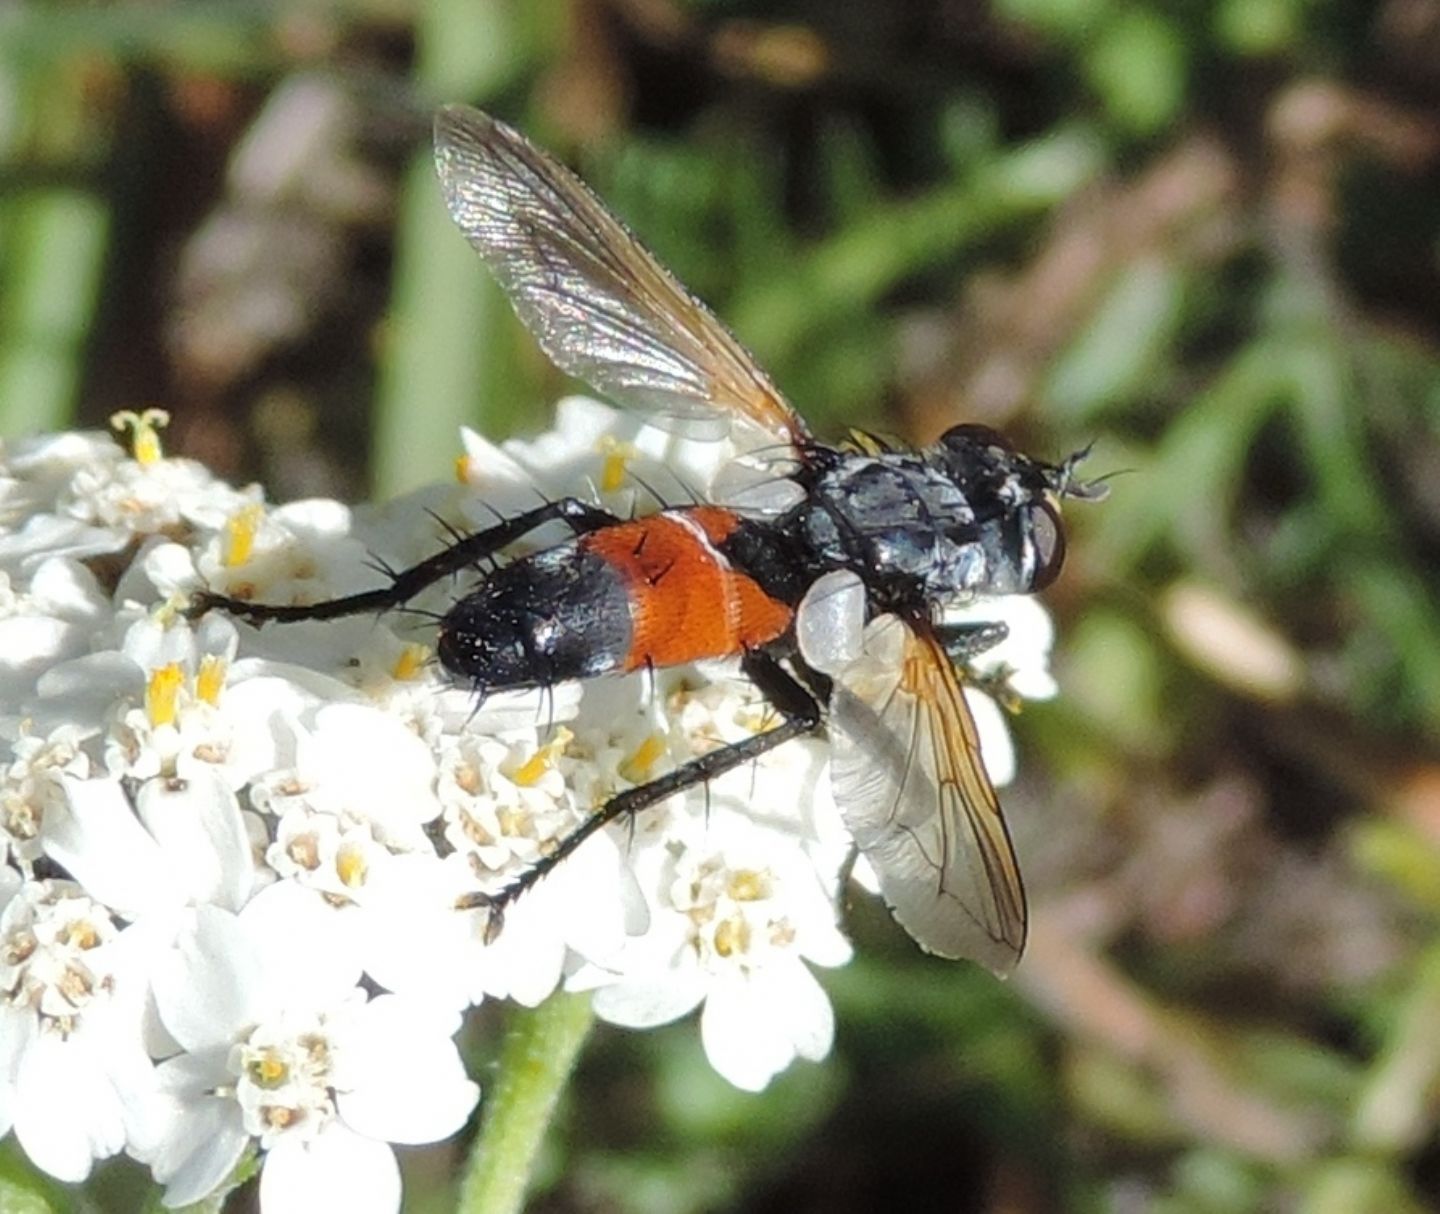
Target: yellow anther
x,y
637,767
210,682
616,463
304,850
80,933
162,694
267,1070
351,867
513,821
748,885
732,936
144,428
462,469
533,770
279,1117
411,661
467,778
240,531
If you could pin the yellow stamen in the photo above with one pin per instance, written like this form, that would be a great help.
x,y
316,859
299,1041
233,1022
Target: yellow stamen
x,y
462,469
530,772
278,1117
304,850
732,936
615,466
267,1070
747,885
411,661
513,821
240,531
144,428
351,867
210,682
162,694
81,934
467,778
637,767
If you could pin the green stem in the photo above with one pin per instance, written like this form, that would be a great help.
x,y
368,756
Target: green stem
x,y
539,1053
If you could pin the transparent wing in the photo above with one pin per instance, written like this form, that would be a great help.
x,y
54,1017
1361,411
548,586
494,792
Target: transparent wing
x,y
908,777
599,304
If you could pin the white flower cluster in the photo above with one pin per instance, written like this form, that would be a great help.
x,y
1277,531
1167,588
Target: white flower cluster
x,y
233,857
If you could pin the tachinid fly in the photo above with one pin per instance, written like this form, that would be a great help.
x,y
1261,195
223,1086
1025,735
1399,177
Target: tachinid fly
x,y
829,586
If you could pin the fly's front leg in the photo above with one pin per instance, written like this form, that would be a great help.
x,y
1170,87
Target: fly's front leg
x,y
405,585
800,714
966,642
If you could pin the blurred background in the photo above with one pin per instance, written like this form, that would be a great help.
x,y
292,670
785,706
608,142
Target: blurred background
x,y
1204,235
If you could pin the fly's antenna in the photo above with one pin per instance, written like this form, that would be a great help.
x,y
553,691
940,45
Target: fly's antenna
x,y
1066,484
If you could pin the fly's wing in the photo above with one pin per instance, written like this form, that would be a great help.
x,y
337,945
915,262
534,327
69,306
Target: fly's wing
x,y
599,304
908,778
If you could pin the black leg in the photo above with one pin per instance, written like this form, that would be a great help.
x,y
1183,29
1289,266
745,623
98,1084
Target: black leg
x,y
966,641
406,584
801,715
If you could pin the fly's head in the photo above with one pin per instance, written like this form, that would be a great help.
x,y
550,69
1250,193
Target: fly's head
x,y
1016,504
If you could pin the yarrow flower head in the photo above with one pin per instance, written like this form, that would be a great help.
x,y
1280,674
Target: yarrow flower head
x,y
282,846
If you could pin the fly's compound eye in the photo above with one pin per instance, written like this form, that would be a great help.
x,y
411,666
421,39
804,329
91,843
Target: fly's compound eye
x,y
973,437
1047,541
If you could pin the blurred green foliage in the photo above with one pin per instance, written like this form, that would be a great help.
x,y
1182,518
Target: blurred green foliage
x,y
1205,236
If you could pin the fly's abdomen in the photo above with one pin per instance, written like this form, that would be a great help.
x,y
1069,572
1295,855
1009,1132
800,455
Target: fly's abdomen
x,y
686,601
559,614
651,592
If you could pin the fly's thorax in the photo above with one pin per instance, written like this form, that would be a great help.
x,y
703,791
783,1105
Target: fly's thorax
x,y
937,526
905,528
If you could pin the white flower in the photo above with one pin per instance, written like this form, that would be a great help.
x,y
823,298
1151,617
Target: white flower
x,y
285,835
362,766
738,909
32,787
182,844
283,1050
44,621
1024,655
73,1070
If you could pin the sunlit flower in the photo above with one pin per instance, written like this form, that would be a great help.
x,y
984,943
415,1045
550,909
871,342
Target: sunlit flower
x,y
74,1074
286,841
283,1051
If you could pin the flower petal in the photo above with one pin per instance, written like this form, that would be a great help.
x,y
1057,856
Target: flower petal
x,y
67,1115
197,824
337,1170
102,844
211,986
406,1080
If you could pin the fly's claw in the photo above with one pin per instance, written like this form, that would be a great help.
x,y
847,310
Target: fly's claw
x,y
201,602
494,905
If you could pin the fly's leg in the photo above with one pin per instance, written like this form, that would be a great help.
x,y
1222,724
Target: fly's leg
x,y
800,714
965,642
405,585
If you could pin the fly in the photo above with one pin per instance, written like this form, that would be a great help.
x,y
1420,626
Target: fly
x,y
830,589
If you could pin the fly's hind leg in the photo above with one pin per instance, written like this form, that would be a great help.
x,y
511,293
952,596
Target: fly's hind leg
x,y
800,714
406,584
